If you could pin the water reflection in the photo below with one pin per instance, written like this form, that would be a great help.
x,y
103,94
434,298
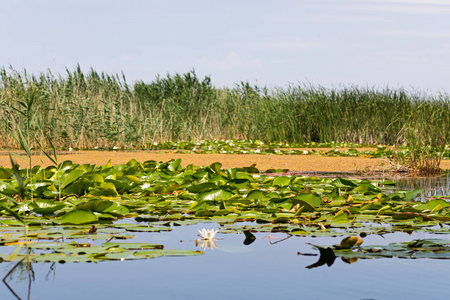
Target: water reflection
x,y
249,238
24,271
327,256
206,244
433,186
431,248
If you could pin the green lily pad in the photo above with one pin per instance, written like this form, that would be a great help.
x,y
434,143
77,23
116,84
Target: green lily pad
x,y
79,216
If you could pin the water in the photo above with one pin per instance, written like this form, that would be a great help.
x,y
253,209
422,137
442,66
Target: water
x,y
265,269
261,270
433,186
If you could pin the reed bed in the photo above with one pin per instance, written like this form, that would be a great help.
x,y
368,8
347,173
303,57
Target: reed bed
x,y
88,110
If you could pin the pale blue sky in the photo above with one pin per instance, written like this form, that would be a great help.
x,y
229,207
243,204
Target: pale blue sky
x,y
403,43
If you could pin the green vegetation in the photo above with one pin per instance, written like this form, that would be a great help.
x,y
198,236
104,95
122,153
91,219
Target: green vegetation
x,y
153,196
278,148
82,213
99,110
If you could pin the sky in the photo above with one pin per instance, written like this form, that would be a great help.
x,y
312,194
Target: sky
x,y
331,43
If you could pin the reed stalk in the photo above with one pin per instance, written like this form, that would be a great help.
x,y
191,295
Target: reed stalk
x,y
87,110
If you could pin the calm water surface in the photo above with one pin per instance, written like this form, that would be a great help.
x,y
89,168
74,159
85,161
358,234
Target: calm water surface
x,y
234,271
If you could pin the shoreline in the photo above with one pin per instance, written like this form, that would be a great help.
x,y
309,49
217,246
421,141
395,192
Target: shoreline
x,y
295,163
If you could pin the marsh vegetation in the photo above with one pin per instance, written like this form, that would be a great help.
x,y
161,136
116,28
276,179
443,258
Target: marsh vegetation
x,y
81,213
101,110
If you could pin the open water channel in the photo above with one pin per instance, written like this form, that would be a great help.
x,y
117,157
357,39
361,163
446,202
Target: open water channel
x,y
268,268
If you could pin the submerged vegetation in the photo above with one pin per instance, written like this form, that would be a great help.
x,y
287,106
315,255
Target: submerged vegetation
x,y
90,110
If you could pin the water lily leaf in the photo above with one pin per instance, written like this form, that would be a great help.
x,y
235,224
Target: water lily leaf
x,y
198,205
437,249
251,169
411,215
119,255
281,181
174,165
216,167
133,178
166,252
343,183
78,187
117,209
201,187
67,178
313,200
432,204
78,216
340,217
142,228
219,180
50,193
241,184
45,207
105,189
255,194
304,206
132,246
215,195
349,242
5,173
61,258
413,194
96,205
8,189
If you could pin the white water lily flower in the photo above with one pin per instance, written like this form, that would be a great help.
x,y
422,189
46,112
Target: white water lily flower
x,y
207,234
24,208
145,186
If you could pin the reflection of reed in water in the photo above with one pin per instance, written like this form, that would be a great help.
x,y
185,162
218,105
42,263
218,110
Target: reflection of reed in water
x,y
433,186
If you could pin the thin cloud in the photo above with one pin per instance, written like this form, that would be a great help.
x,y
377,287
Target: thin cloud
x,y
406,9
231,61
128,57
402,58
289,44
413,34
427,2
342,19
444,50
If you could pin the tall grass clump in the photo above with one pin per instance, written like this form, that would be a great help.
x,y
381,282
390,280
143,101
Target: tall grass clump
x,y
426,133
89,109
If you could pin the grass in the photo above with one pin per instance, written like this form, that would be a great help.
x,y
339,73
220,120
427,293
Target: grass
x,y
90,110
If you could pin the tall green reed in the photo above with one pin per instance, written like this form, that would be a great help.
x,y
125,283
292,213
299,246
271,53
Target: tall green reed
x,y
87,110
426,134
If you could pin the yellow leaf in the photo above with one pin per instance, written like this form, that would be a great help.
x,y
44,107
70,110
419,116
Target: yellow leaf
x,y
350,241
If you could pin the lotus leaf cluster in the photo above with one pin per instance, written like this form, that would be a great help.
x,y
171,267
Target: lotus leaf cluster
x,y
283,148
60,204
